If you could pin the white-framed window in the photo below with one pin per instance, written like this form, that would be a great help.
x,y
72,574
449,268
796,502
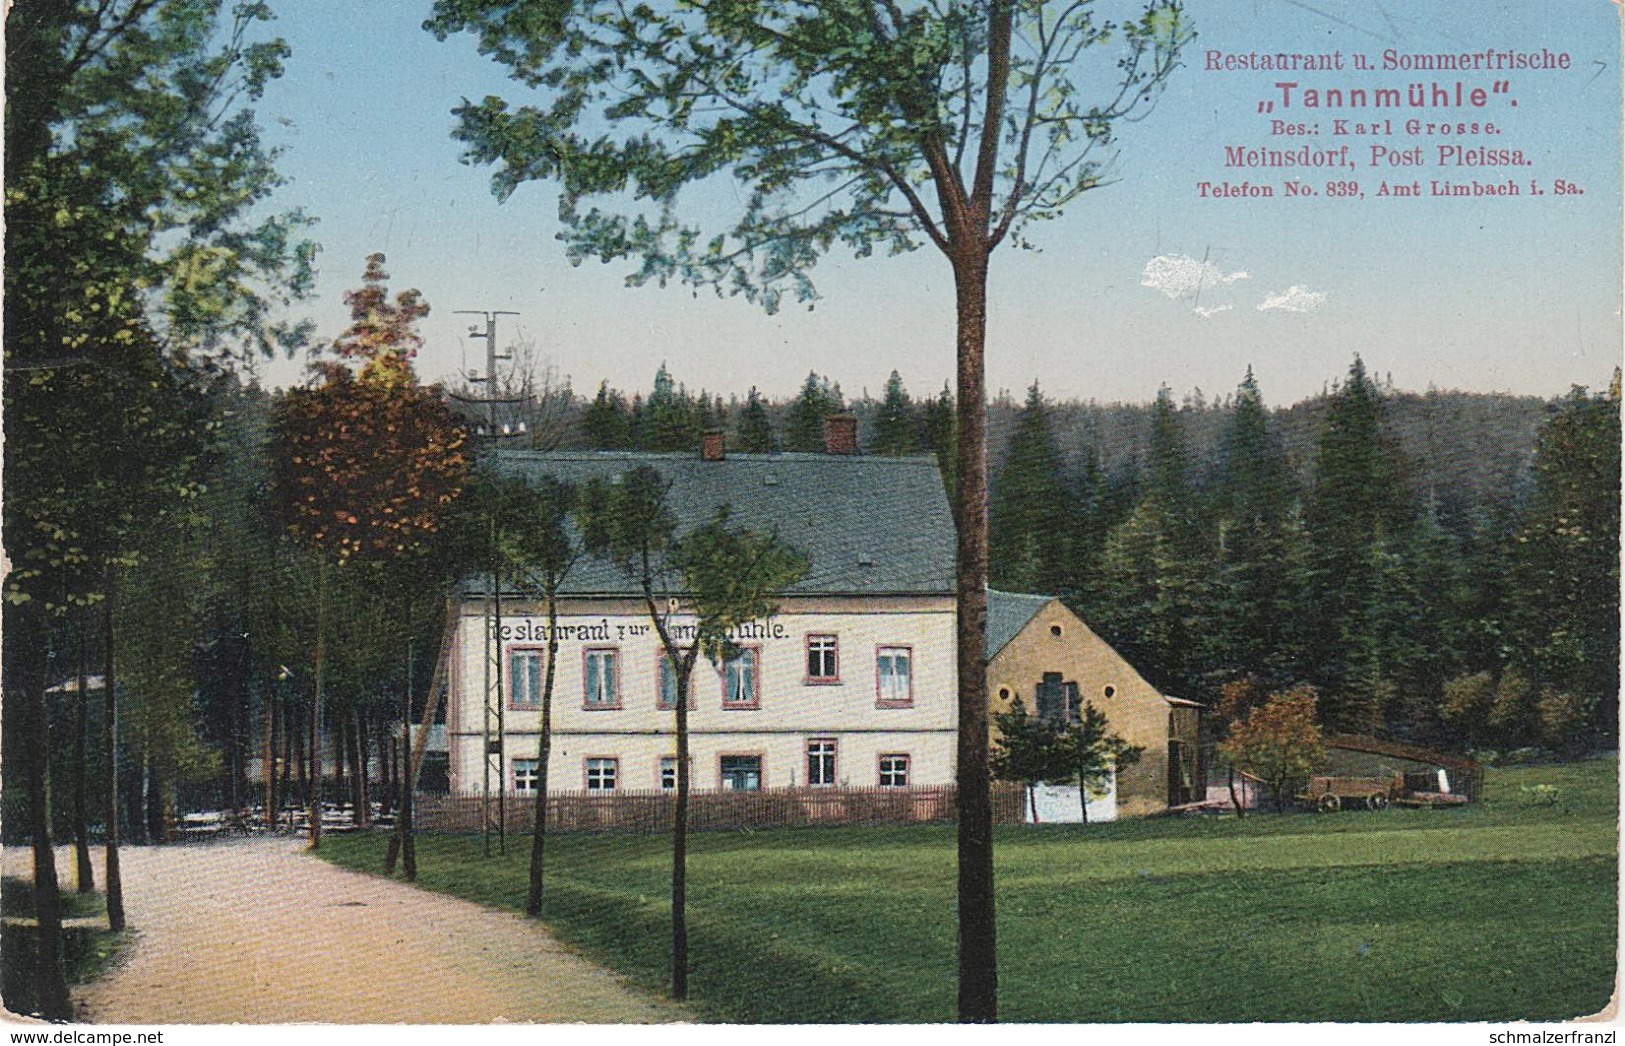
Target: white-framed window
x,y
821,761
823,659
601,671
602,774
894,676
525,673
741,773
894,771
741,680
524,775
668,773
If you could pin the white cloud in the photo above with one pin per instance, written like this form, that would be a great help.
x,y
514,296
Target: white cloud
x,y
1296,298
1179,276
1204,312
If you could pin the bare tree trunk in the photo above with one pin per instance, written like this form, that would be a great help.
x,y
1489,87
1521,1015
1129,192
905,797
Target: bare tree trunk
x,y
360,801
978,970
84,870
115,880
314,731
679,851
1235,800
544,752
50,983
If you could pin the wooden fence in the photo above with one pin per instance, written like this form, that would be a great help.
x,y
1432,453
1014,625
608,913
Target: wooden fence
x,y
651,812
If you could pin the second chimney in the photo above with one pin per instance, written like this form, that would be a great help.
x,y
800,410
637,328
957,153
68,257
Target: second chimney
x,y
840,434
711,445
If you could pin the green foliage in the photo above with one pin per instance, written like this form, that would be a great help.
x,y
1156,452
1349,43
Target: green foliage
x,y
896,428
755,432
1030,514
1278,742
804,420
608,422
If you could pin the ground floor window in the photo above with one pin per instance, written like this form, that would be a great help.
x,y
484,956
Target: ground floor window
x,y
821,761
741,773
668,773
601,774
524,775
894,771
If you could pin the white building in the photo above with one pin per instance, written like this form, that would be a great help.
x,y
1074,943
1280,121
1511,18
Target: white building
x,y
851,683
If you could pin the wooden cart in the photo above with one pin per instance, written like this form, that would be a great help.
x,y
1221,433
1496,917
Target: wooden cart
x,y
1331,794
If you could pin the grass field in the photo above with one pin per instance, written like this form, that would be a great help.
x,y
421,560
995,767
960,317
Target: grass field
x,y
1504,910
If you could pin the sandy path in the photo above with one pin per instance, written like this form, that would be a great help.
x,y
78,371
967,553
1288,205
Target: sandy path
x,y
254,931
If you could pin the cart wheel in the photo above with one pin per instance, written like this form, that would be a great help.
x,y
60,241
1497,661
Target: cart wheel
x,y
1376,802
1328,804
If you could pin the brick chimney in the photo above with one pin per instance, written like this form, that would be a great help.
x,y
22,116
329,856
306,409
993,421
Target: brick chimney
x,y
840,434
711,445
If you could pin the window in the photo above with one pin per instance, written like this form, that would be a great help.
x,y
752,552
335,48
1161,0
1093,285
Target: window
x,y
525,679
741,773
667,698
524,775
894,771
821,761
894,677
1051,698
601,774
668,773
741,683
823,666
603,684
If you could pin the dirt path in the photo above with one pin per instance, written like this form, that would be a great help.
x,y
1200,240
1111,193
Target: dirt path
x,y
254,931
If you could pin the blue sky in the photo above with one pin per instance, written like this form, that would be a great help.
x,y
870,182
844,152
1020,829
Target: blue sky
x,y
1519,294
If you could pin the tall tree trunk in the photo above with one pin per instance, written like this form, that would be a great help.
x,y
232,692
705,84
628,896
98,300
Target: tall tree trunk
x,y
115,881
314,731
679,850
401,843
360,802
978,972
268,756
544,752
50,982
84,871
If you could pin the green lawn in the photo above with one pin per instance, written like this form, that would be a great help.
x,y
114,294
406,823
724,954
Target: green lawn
x,y
1504,910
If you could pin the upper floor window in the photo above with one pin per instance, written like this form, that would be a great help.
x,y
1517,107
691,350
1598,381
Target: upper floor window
x,y
602,674
525,671
823,664
741,680
667,698
894,677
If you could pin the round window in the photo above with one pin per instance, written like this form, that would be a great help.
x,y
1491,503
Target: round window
x,y
1110,691
1004,693
1055,630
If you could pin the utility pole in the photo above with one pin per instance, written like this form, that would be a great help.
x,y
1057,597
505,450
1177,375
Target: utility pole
x,y
493,806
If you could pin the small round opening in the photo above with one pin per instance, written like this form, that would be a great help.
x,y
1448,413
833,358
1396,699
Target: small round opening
x,y
1004,693
1055,630
1110,691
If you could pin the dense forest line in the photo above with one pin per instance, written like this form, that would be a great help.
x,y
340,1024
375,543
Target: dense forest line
x,y
1442,566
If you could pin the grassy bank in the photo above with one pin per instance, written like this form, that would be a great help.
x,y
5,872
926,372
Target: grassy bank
x,y
1503,910
87,950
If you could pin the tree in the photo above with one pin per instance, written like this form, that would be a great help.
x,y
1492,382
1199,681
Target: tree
x,y
1025,750
721,575
608,422
804,420
365,462
1092,753
755,432
1030,517
851,123
1278,742
896,429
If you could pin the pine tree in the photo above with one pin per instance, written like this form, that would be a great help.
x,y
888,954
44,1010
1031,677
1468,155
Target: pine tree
x,y
755,432
938,425
1030,516
608,423
804,422
896,429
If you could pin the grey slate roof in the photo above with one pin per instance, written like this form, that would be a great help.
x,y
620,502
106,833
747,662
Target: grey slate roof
x,y
867,525
1007,614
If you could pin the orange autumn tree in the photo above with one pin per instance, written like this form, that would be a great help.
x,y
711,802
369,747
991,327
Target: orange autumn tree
x,y
366,461
1278,742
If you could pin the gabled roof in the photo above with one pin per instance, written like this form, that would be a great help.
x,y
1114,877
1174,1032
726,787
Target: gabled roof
x,y
1007,614
867,525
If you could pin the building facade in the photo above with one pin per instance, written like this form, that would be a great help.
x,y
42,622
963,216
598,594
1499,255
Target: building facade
x,y
850,684
1042,653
